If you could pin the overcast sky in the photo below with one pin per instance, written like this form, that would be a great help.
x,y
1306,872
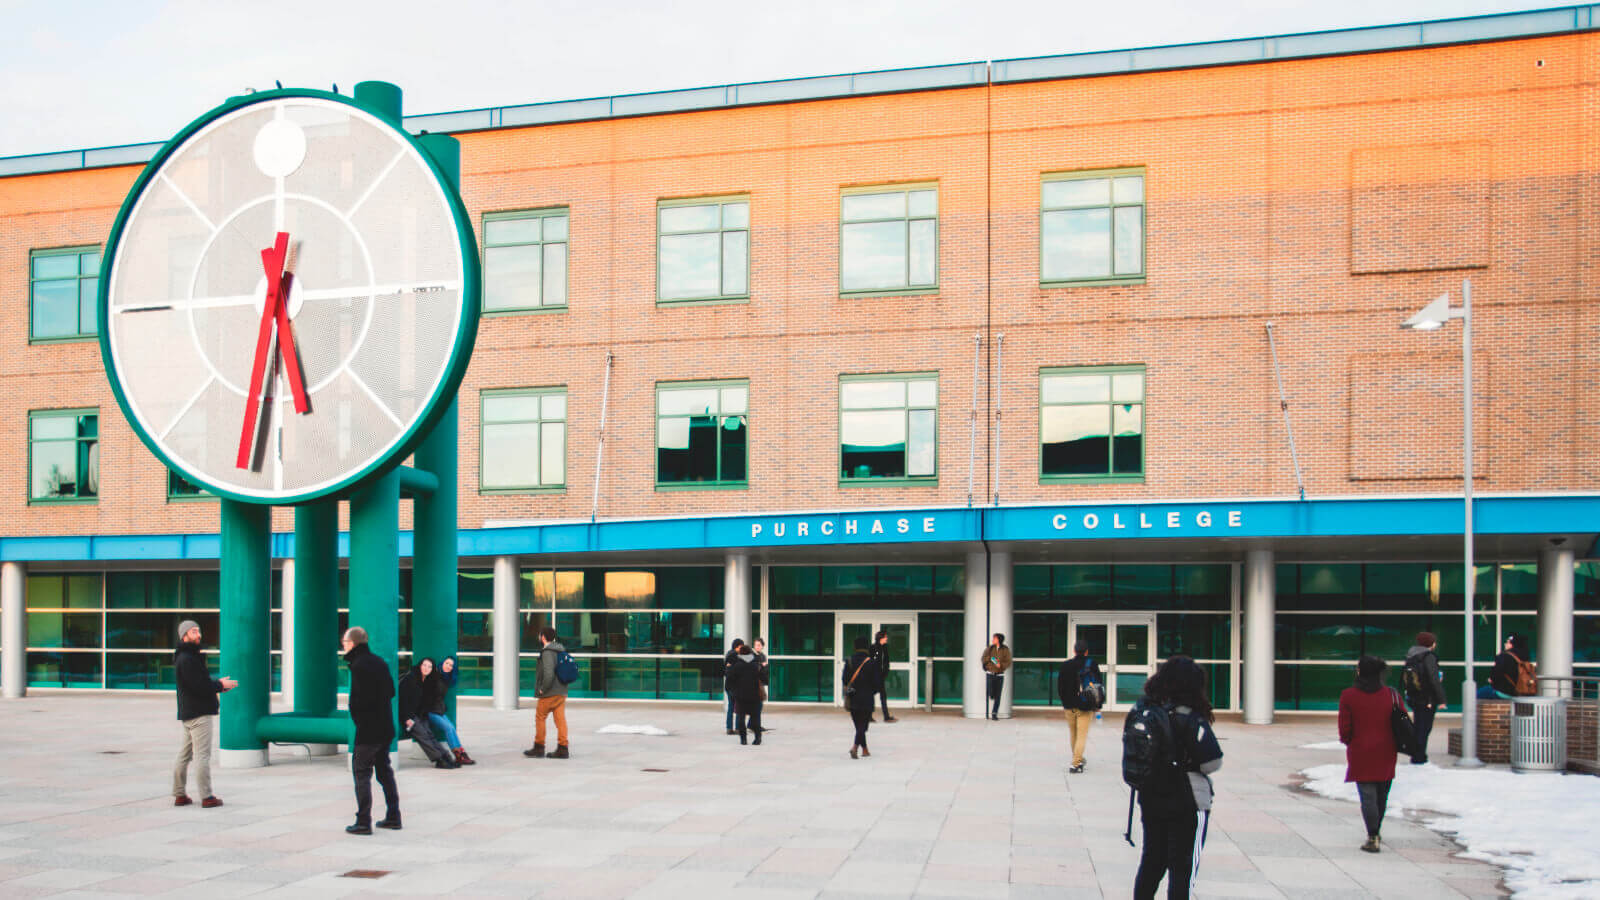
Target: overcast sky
x,y
77,74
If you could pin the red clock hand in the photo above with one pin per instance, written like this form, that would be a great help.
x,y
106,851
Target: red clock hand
x,y
274,261
258,371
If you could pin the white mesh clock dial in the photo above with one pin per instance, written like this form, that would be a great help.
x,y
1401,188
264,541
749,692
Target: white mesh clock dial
x,y
377,306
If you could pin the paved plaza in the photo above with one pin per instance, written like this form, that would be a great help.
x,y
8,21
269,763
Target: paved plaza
x,y
946,807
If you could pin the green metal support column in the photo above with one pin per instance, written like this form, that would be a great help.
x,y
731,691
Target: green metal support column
x,y
433,574
433,561
246,630
375,565
316,607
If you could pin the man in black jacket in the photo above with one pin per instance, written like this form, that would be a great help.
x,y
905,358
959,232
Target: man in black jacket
x,y
1424,687
1080,708
197,710
371,687
880,661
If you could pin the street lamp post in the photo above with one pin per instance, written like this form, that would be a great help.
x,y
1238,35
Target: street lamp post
x,y
1431,318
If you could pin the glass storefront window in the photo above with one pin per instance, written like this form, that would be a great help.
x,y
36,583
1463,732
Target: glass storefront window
x,y
1034,683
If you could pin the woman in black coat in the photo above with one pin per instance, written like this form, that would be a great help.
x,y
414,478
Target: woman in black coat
x,y
744,687
860,680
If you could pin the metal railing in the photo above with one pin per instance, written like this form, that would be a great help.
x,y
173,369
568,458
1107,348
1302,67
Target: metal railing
x,y
1583,715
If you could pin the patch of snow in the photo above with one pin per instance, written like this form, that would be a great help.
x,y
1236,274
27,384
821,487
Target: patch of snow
x,y
1539,827
633,729
1324,745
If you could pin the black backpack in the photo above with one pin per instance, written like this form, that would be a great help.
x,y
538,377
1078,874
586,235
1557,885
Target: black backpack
x,y
1148,748
1411,679
1091,692
1149,751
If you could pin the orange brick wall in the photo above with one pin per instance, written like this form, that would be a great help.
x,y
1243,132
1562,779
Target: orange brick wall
x,y
1252,215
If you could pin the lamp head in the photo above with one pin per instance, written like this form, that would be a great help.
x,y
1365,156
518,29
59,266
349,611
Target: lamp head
x,y
1433,316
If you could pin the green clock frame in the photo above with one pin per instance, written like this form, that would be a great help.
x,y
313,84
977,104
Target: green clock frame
x,y
472,286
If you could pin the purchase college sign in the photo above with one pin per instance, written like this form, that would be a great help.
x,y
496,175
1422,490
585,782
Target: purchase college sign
x,y
1029,523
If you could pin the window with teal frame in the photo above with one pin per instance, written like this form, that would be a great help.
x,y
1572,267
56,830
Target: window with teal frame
x,y
702,434
63,293
703,249
63,456
889,428
1091,424
525,260
181,488
889,239
523,440
1091,227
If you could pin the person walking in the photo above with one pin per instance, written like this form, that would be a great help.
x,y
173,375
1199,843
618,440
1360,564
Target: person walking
x,y
197,712
727,666
1365,711
880,660
436,694
996,660
744,686
550,697
1506,679
411,709
759,647
371,688
1172,799
858,678
1424,689
1082,689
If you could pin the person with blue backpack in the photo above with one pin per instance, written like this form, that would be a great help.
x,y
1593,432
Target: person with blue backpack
x,y
1083,691
557,669
1169,752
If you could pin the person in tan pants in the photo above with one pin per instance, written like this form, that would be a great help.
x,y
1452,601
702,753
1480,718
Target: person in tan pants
x,y
550,697
1082,690
197,710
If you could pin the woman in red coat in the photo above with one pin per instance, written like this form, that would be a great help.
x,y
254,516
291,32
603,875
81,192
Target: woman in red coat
x,y
1368,739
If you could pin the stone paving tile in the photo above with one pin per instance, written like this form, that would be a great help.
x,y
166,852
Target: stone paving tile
x,y
946,807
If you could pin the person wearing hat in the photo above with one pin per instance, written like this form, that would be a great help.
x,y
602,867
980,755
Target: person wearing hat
x,y
197,710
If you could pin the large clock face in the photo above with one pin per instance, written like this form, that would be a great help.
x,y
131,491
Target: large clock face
x,y
291,295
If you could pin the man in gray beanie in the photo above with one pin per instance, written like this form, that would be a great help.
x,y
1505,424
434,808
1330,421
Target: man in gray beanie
x,y
197,711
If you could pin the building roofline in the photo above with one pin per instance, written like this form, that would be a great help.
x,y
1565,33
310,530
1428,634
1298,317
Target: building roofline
x,y
1204,54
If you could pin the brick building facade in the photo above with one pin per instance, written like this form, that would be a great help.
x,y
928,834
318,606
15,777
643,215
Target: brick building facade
x,y
1327,193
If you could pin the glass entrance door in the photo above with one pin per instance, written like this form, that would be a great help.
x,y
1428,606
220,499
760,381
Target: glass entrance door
x,y
1125,647
901,683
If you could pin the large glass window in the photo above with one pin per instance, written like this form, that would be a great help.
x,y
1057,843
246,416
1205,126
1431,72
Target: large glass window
x,y
525,260
889,239
63,289
649,633
1091,423
523,440
702,433
1329,614
703,249
1091,227
63,455
888,428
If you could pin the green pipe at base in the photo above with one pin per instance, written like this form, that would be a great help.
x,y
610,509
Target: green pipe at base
x,y
246,623
293,728
316,608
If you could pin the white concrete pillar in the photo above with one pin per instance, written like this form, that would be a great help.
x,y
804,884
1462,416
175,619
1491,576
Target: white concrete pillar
x,y
1260,611
975,637
1000,619
286,629
507,621
1555,617
735,599
13,629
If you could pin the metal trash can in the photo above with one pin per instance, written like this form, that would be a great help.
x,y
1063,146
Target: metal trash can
x,y
1539,734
